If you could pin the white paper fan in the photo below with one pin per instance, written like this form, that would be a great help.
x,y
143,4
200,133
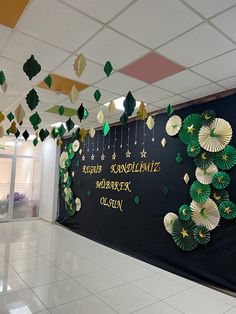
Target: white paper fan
x,y
205,176
173,125
169,219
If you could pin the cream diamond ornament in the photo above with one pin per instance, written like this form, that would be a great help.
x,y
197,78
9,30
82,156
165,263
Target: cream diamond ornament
x,y
163,142
186,178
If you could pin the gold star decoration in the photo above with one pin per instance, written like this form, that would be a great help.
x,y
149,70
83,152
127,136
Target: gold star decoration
x,y
228,210
225,157
83,158
184,233
92,157
103,157
191,129
128,154
114,156
143,153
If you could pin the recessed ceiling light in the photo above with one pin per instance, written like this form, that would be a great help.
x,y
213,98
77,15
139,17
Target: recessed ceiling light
x,y
119,103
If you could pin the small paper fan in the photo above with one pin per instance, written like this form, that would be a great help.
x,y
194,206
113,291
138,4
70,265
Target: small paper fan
x,y
169,219
204,159
216,136
226,159
227,210
208,117
200,192
183,234
190,128
71,153
193,149
221,180
184,212
202,235
173,125
205,214
205,175
75,146
219,196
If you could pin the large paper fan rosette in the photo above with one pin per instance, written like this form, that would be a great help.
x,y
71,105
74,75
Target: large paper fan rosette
x,y
204,159
173,125
183,234
221,180
190,128
193,149
184,212
227,210
205,214
219,196
169,219
216,136
202,234
226,159
200,192
205,175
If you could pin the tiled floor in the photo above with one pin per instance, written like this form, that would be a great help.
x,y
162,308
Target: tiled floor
x,y
47,269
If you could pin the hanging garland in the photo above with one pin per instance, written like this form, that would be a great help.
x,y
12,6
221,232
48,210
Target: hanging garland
x,y
207,138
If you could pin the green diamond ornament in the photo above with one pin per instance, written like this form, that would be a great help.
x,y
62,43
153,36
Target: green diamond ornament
x,y
10,116
97,95
201,235
86,114
124,118
227,210
35,119
25,135
43,134
200,192
17,134
137,200
129,104
78,163
69,124
48,81
31,67
2,78
32,99
61,130
89,193
169,110
54,133
61,110
105,128
35,141
108,68
165,191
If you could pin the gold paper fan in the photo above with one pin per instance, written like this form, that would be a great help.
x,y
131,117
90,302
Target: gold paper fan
x,y
169,219
205,214
205,176
173,125
216,136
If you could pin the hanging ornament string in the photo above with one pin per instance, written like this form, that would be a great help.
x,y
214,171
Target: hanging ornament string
x,y
103,148
143,153
84,147
121,136
93,145
136,133
128,152
98,141
88,139
114,146
109,140
153,130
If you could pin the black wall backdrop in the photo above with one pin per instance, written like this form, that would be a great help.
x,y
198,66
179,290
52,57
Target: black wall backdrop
x,y
138,230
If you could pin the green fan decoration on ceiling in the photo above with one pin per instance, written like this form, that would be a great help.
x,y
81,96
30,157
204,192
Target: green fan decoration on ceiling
x,y
204,159
227,210
193,149
185,212
200,192
190,128
183,234
202,235
226,159
219,196
221,180
208,117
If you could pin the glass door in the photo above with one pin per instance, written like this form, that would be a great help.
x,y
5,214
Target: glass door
x,y
5,187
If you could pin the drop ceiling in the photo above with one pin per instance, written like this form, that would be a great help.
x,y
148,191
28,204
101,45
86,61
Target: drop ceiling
x,y
194,39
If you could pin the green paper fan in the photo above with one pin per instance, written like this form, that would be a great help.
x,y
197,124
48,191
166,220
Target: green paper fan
x,y
67,163
221,180
208,117
185,212
71,208
227,210
193,149
226,159
202,235
200,192
219,196
68,182
190,128
204,159
183,235
70,151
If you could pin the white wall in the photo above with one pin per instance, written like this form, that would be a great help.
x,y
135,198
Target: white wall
x,y
49,181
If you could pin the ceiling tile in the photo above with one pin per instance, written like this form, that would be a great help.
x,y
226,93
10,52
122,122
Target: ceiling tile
x,y
4,33
209,8
88,94
109,45
87,104
151,68
120,84
49,96
155,22
229,82
227,22
56,23
218,68
196,46
203,91
182,82
150,94
6,101
16,88
172,100
92,73
20,47
105,10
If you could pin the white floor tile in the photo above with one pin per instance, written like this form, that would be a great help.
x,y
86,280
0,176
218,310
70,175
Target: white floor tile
x,y
126,298
20,254
29,264
231,311
60,292
130,271
99,281
183,281
158,308
159,286
43,276
113,259
88,305
193,302
11,284
24,302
